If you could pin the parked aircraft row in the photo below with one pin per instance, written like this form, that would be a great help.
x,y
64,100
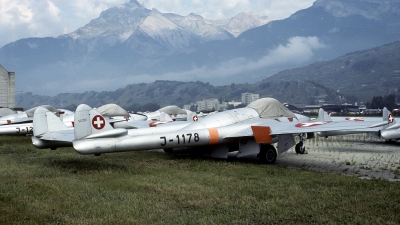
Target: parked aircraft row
x,y
18,122
253,130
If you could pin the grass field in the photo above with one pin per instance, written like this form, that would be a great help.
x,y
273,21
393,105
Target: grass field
x,y
63,187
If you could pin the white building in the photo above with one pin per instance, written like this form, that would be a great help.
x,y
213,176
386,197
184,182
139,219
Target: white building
x,y
248,98
201,105
207,104
211,104
7,88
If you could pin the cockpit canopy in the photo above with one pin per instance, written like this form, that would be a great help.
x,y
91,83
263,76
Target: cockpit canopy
x,y
270,108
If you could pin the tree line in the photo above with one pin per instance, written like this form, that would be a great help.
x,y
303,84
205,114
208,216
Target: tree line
x,y
379,102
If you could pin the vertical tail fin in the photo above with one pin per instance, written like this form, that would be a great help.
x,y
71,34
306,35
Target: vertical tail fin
x,y
323,116
388,121
389,118
45,121
165,117
88,121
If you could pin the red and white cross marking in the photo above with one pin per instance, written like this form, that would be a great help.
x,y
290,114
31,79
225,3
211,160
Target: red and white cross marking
x,y
313,124
98,122
195,118
355,118
390,118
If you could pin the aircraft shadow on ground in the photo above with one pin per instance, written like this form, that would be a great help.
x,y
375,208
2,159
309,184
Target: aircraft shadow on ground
x,y
231,158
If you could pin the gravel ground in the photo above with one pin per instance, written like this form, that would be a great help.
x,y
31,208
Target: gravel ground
x,y
350,155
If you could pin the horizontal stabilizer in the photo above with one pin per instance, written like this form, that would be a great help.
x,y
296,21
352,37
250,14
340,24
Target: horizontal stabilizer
x,y
66,135
379,124
109,133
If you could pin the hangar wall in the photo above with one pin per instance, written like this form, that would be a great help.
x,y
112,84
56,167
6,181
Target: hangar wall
x,y
7,88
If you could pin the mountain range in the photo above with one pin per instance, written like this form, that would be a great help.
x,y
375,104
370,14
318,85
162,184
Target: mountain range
x,y
364,74
356,76
131,44
128,40
178,93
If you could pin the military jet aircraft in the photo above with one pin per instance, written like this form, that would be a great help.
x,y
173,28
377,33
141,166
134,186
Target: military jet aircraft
x,y
384,127
50,132
249,131
22,124
16,117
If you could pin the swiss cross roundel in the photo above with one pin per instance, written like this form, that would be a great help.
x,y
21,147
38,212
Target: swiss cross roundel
x,y
390,118
98,122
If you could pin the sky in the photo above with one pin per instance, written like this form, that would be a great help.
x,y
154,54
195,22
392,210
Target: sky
x,y
51,18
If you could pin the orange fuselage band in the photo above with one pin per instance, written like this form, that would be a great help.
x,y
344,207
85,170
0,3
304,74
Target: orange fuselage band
x,y
214,136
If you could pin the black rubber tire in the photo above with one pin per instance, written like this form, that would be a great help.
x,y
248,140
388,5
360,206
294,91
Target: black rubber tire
x,y
299,148
267,154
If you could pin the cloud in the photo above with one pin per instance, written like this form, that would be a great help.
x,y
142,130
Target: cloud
x,y
47,18
297,52
22,18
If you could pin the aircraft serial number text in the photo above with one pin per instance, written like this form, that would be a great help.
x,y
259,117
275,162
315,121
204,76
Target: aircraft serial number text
x,y
182,139
28,129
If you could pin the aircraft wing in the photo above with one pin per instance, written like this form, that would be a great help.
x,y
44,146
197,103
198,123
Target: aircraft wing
x,y
297,128
322,126
17,121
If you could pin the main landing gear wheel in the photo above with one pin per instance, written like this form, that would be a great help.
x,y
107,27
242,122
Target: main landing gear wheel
x,y
300,148
267,154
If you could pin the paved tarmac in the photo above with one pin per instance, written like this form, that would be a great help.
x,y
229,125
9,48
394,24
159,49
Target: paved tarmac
x,y
350,155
